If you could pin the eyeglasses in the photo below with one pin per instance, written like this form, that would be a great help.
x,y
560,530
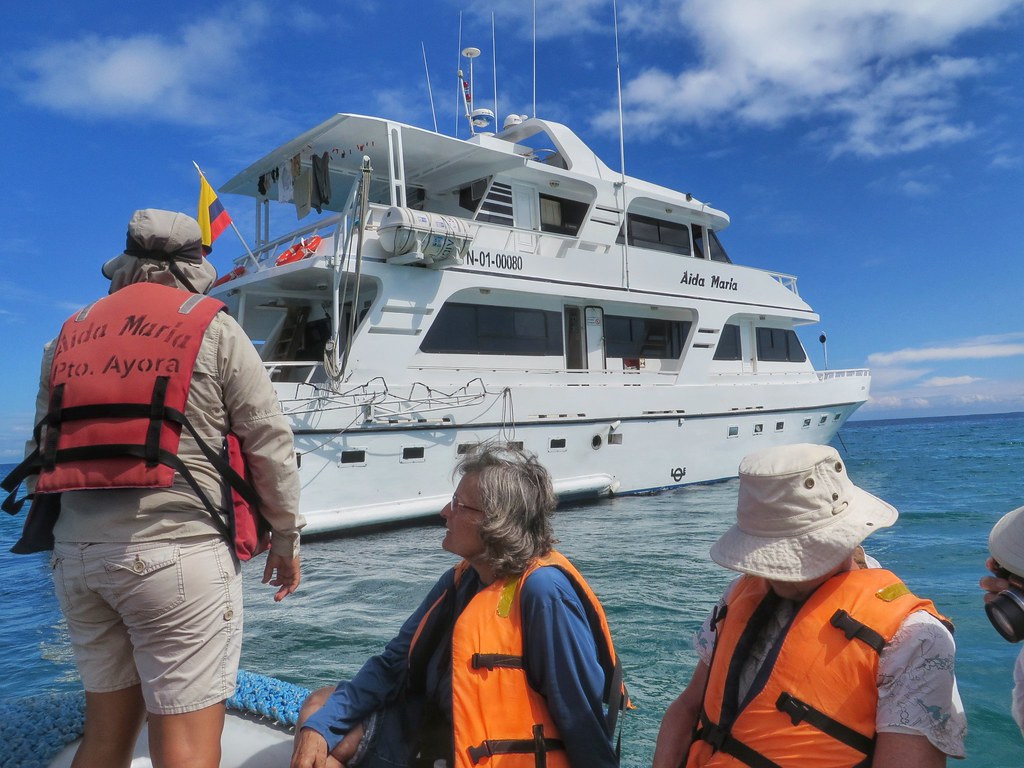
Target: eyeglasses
x,y
456,504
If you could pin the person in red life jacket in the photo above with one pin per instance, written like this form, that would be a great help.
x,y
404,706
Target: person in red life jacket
x,y
149,585
508,661
815,656
1004,598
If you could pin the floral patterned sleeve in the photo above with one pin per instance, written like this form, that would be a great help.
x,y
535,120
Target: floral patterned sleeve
x,y
917,690
704,638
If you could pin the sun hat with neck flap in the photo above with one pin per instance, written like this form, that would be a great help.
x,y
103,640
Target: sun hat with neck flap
x,y
798,515
170,239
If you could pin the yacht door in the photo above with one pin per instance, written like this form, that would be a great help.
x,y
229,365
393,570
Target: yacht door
x,y
595,338
575,343
524,202
748,346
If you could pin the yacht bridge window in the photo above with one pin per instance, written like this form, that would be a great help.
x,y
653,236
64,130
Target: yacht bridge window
x,y
657,234
561,216
479,329
779,345
706,243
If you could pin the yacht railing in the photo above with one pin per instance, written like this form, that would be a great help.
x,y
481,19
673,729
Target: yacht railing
x,y
788,281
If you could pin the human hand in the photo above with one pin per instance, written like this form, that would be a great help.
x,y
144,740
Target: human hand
x,y
993,585
310,750
283,572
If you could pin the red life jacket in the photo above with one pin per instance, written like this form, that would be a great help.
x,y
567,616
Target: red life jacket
x,y
815,704
497,718
120,379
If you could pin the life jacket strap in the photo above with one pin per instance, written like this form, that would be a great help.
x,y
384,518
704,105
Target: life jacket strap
x,y
801,712
855,629
722,741
499,660
538,746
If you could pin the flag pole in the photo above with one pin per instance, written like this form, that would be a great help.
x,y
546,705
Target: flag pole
x,y
231,221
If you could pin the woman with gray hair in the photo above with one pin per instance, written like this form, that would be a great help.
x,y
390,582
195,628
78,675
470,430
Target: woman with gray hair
x,y
509,656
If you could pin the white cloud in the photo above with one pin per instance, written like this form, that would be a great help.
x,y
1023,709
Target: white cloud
x,y
967,351
874,66
147,76
949,381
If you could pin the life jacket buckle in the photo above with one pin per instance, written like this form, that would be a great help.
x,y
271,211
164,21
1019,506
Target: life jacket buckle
x,y
793,707
715,735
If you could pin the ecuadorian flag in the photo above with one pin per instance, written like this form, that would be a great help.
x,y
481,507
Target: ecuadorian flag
x,y
213,219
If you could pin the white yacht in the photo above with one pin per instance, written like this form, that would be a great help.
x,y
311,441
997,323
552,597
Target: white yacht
x,y
509,287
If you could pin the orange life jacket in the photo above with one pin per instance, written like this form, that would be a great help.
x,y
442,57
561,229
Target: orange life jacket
x,y
120,378
498,720
815,699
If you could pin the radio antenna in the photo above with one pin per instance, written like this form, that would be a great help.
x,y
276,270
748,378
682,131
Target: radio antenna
x,y
494,66
460,96
534,58
622,150
430,91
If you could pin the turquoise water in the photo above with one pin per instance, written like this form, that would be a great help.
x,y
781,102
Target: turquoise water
x,y
646,557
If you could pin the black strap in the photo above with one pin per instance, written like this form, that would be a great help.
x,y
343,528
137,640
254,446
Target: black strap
x,y
802,712
538,746
14,479
855,629
53,427
722,741
492,660
156,419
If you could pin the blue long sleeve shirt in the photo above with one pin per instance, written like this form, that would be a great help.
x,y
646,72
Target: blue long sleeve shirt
x,y
561,662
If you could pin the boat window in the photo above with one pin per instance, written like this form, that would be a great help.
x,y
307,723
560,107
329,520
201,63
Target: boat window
x,y
657,234
477,329
729,347
471,195
561,216
635,337
698,241
779,345
717,251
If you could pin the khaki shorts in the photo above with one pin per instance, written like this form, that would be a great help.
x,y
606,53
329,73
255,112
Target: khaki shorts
x,y
164,614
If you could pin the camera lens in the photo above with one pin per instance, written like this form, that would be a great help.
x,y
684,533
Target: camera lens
x,y
1006,613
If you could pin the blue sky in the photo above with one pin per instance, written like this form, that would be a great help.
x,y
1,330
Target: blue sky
x,y
875,151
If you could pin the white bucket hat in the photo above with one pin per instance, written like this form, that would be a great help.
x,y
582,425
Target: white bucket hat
x,y
1006,541
798,515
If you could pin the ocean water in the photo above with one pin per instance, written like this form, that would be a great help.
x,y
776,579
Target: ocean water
x,y
646,557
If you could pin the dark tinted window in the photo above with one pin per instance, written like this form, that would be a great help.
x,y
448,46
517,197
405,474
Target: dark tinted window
x,y
631,337
729,344
561,216
657,234
478,329
779,345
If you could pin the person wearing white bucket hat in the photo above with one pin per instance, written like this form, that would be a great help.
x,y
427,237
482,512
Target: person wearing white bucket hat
x,y
813,656
145,566
1004,598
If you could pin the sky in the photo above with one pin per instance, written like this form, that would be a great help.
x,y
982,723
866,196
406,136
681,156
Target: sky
x,y
873,149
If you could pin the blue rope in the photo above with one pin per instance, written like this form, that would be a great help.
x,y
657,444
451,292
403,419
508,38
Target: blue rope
x,y
267,696
34,729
